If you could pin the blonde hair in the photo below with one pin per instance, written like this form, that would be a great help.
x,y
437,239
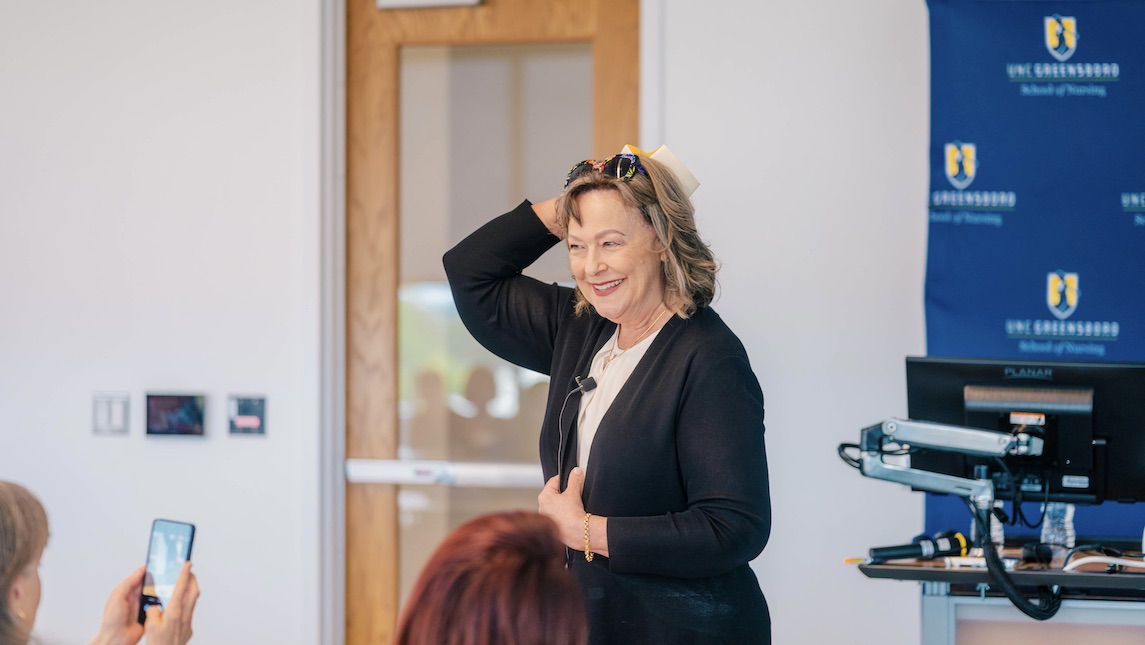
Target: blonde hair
x,y
689,268
23,535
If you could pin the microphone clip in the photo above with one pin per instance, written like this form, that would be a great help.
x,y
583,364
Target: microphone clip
x,y
585,385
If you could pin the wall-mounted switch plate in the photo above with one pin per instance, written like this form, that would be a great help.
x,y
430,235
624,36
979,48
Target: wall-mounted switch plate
x,y
110,414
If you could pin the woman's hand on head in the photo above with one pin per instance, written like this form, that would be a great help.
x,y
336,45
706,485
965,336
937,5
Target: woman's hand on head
x,y
565,509
121,614
172,625
546,211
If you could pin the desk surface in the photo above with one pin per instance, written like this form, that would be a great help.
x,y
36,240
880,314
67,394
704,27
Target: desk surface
x,y
935,571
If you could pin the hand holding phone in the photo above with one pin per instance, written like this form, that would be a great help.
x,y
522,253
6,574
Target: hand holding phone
x,y
171,625
120,615
169,548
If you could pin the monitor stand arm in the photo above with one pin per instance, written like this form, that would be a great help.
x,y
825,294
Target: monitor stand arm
x,y
979,492
923,434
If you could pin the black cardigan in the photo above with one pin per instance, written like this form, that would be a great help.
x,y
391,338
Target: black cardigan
x,y
678,464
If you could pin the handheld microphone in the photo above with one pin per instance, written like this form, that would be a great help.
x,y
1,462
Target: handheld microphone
x,y
923,548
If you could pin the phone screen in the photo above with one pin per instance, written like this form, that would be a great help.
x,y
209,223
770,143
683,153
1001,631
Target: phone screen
x,y
170,547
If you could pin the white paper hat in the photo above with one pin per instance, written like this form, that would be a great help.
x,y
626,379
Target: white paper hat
x,y
665,156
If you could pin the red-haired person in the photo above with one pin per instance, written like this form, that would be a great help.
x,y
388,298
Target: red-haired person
x,y
23,536
499,579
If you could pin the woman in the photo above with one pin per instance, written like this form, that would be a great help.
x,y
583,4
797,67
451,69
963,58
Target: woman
x,y
499,579
23,536
653,438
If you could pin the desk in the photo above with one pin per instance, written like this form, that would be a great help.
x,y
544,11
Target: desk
x,y
1113,584
958,607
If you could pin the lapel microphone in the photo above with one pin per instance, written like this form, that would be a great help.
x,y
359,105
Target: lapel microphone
x,y
584,386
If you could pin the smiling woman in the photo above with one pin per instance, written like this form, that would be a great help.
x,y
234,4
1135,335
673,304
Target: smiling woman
x,y
615,260
685,263
658,485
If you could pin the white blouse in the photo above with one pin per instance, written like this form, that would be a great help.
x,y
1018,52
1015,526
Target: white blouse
x,y
609,381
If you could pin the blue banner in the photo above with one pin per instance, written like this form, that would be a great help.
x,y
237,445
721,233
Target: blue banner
x,y
1037,192
1037,200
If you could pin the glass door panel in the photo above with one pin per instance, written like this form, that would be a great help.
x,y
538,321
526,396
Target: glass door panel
x,y
482,127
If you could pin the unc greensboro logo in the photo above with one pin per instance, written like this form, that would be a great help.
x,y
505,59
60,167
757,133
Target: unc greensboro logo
x,y
1061,36
1062,293
961,163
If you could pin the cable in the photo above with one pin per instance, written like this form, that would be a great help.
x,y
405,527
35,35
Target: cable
x,y
853,462
895,452
1042,515
1049,599
1019,516
1106,551
561,428
1121,562
1015,494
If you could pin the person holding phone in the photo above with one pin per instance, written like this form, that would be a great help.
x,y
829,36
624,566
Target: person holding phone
x,y
23,536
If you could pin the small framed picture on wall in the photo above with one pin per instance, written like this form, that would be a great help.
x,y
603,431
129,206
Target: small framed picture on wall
x,y
176,414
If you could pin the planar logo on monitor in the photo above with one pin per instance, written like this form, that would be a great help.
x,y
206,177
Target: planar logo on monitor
x,y
1062,293
1040,373
1061,36
961,163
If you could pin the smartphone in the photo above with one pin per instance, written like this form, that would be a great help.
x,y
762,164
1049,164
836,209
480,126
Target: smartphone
x,y
170,547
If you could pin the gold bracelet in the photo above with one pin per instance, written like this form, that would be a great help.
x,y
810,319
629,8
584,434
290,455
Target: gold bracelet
x,y
587,550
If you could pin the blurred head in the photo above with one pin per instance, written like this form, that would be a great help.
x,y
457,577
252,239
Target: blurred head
x,y
499,579
23,535
633,242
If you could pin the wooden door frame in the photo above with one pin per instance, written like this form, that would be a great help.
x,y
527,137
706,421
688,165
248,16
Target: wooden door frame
x,y
373,47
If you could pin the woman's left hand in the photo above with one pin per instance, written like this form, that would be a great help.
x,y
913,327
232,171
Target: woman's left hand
x,y
121,614
565,509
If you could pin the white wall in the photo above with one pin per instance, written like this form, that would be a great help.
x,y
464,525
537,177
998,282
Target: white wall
x,y
807,124
159,229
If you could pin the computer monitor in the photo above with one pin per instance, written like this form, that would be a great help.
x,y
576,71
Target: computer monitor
x,y
1091,416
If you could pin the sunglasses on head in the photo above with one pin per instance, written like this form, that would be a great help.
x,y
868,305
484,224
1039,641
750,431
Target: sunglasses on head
x,y
622,166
